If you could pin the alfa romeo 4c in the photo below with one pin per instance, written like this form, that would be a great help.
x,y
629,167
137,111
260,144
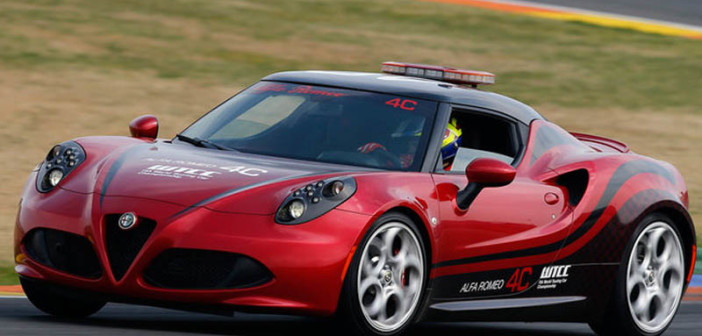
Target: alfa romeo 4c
x,y
383,199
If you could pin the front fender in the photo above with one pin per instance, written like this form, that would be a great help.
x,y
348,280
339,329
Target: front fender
x,y
379,193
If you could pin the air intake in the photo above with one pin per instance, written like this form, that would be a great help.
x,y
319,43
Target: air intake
x,y
63,251
203,269
124,245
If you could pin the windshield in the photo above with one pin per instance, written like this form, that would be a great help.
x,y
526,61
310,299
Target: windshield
x,y
321,124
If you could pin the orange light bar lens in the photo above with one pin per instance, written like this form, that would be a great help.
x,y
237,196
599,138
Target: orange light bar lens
x,y
393,68
445,74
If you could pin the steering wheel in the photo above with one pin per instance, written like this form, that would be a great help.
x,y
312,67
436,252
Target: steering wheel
x,y
381,155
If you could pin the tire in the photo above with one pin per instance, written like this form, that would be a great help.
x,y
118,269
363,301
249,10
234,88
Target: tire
x,y
53,302
650,281
387,279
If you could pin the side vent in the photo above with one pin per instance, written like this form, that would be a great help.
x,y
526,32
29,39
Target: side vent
x,y
576,183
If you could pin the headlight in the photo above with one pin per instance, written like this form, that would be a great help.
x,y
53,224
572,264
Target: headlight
x,y
334,188
296,209
60,161
54,177
315,199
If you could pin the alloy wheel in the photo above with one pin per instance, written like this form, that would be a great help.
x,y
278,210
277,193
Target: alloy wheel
x,y
655,277
390,276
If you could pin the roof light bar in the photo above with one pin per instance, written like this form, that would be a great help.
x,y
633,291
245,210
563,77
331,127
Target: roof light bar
x,y
446,74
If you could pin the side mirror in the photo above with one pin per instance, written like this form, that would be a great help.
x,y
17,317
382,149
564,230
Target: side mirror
x,y
145,126
484,173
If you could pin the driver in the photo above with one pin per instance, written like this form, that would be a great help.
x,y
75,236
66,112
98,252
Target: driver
x,y
451,142
410,135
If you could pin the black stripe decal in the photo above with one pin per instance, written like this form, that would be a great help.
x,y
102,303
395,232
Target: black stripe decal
x,y
238,190
625,172
113,171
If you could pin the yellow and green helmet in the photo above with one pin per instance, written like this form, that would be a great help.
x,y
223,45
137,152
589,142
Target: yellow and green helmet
x,y
451,142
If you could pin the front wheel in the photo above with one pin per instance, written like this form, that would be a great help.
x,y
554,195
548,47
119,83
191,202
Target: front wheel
x,y
650,282
385,283
53,302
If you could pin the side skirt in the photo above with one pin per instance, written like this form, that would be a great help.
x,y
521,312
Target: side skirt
x,y
558,308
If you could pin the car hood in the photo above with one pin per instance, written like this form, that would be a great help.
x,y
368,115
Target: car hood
x,y
192,176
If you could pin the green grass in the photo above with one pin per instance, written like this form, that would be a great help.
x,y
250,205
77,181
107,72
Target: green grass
x,y
8,275
240,41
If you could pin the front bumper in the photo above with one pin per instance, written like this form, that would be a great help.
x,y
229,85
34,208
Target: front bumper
x,y
307,262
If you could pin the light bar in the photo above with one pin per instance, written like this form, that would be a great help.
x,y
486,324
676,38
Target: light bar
x,y
446,74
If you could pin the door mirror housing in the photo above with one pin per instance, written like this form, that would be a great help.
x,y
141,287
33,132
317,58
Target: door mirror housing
x,y
144,127
490,172
484,173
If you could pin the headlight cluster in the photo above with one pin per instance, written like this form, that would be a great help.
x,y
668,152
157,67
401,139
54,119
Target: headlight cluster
x,y
60,161
314,200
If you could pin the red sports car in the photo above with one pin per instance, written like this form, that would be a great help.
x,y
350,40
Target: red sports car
x,y
382,199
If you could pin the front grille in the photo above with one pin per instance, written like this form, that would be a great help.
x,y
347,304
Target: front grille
x,y
63,251
203,269
123,245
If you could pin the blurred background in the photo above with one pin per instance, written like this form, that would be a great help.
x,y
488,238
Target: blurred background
x,y
71,68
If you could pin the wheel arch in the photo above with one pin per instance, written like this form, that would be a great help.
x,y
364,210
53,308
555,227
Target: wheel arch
x,y
683,222
614,316
415,215
427,238
421,226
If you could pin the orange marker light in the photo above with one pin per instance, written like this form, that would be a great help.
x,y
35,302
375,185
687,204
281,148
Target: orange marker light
x,y
348,263
692,263
446,74
20,258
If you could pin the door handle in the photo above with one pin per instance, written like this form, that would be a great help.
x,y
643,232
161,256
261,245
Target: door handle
x,y
550,198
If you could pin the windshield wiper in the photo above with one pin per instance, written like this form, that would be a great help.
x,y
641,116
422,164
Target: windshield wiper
x,y
201,142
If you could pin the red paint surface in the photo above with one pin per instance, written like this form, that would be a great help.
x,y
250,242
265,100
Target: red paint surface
x,y
490,172
145,126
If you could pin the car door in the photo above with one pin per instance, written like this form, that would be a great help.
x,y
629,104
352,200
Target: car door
x,y
499,244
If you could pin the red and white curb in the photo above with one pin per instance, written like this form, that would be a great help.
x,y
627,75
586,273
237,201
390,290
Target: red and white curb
x,y
562,13
11,292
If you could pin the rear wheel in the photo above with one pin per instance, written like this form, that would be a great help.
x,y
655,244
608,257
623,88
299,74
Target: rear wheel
x,y
54,302
385,283
650,282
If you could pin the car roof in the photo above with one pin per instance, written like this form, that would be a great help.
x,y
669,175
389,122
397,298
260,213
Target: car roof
x,y
412,87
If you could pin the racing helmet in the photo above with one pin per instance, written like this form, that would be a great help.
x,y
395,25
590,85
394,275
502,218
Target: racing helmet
x,y
451,142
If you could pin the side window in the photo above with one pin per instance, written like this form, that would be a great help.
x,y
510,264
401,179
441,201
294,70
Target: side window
x,y
472,135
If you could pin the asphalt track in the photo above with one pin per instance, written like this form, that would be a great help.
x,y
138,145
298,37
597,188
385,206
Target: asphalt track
x,y
679,11
19,317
